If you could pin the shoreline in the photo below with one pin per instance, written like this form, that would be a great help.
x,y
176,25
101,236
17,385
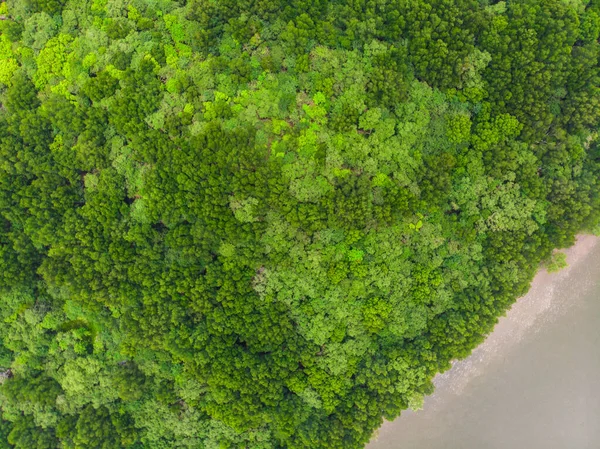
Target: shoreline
x,y
539,306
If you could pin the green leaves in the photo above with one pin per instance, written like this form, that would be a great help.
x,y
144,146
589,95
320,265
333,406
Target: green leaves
x,y
557,262
26,434
267,224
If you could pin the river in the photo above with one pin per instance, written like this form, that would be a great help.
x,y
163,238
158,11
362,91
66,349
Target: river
x,y
533,384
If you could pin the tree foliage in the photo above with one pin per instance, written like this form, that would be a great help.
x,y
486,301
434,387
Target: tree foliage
x,y
268,225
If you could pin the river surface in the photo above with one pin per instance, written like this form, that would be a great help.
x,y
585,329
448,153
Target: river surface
x,y
533,384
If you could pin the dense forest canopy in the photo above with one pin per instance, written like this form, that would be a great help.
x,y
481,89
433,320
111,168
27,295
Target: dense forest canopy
x,y
268,224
